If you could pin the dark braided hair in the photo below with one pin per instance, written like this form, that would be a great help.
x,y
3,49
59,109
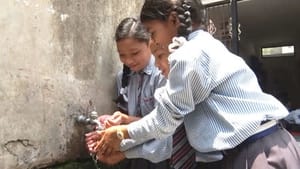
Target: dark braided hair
x,y
188,11
132,28
185,20
129,28
122,97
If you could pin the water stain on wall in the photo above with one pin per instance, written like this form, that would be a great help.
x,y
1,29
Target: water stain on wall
x,y
75,26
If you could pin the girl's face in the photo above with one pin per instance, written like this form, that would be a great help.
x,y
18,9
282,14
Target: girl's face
x,y
161,61
162,33
134,53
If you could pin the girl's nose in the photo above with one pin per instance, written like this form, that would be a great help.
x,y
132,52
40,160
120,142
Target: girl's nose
x,y
127,61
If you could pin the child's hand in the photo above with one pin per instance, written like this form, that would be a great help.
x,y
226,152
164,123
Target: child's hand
x,y
111,159
91,140
116,119
103,118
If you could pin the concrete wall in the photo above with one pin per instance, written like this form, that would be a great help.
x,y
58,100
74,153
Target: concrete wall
x,y
55,56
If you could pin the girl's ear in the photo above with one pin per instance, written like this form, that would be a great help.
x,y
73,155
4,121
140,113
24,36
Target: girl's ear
x,y
150,42
173,19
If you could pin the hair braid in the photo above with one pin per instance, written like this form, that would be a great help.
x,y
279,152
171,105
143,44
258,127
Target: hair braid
x,y
185,19
188,11
122,98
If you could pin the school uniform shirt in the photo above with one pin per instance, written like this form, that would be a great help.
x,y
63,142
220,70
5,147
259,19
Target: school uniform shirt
x,y
214,93
140,104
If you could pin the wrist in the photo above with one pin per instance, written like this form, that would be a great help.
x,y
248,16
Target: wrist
x,y
122,133
125,119
125,131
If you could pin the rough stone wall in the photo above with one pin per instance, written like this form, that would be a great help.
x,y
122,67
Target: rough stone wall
x,y
55,56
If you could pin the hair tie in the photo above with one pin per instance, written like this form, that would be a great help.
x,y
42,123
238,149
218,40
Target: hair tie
x,y
177,42
186,6
123,92
187,13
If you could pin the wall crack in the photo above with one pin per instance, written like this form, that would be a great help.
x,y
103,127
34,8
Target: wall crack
x,y
22,149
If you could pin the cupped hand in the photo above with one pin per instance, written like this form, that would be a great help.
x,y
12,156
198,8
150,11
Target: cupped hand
x,y
91,140
113,158
116,119
103,118
109,141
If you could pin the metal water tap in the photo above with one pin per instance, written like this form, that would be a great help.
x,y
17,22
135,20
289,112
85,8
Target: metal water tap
x,y
91,119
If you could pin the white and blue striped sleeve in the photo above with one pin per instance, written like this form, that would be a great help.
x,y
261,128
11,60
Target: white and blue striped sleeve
x,y
176,99
153,150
